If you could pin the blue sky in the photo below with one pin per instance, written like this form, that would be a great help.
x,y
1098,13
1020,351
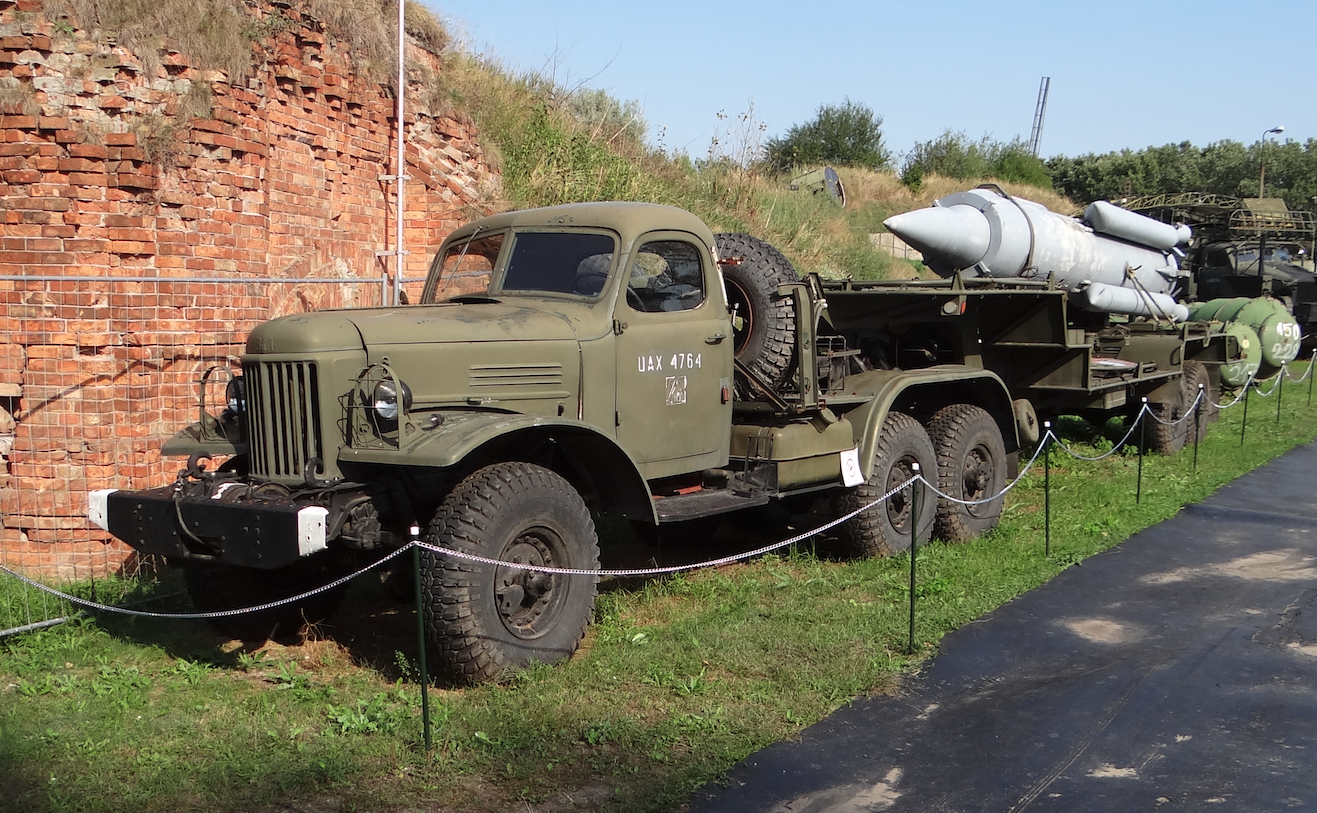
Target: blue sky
x,y
1123,74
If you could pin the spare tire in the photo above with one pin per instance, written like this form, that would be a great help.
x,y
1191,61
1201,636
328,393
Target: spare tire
x,y
766,337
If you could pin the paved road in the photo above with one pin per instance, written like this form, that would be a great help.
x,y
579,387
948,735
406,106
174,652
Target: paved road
x,y
1177,671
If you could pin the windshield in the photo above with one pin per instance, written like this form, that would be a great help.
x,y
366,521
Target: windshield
x,y
559,262
575,263
465,268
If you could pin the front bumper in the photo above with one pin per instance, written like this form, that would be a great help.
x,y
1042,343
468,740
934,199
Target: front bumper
x,y
258,534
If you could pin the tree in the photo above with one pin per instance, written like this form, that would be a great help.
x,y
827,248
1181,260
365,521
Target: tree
x,y
848,134
1222,168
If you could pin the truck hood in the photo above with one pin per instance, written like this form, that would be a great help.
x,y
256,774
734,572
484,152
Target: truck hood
x,y
417,324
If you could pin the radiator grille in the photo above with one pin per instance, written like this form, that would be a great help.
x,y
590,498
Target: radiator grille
x,y
283,409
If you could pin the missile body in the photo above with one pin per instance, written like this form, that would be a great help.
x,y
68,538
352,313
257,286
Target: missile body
x,y
986,233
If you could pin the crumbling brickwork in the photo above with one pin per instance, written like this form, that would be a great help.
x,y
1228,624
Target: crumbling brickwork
x,y
104,174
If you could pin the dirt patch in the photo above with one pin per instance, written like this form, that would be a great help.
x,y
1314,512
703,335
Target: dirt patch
x,y
1282,565
1102,630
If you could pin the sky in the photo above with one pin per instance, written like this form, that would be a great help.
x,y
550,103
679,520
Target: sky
x,y
1123,74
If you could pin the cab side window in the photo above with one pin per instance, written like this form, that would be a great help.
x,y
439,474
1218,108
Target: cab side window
x,y
666,275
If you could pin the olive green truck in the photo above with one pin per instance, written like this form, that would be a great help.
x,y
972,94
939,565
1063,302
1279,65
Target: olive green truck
x,y
623,361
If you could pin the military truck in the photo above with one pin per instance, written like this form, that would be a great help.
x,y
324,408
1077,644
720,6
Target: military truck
x,y
623,361
1244,247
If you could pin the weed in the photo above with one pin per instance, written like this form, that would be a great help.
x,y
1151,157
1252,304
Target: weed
x,y
18,97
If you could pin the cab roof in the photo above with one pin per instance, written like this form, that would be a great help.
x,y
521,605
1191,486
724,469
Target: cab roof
x,y
628,219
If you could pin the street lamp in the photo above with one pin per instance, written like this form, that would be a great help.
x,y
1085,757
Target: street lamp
x,y
1262,192
1262,158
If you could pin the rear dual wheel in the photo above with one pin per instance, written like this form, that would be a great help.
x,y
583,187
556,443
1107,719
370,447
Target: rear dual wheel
x,y
971,467
962,451
884,529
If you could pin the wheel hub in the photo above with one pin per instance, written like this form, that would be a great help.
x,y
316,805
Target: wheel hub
x,y
898,505
525,597
977,478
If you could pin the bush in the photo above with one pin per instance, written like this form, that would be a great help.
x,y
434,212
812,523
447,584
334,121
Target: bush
x,y
848,134
953,155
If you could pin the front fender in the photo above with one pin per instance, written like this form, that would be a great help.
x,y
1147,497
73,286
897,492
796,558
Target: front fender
x,y
596,460
924,391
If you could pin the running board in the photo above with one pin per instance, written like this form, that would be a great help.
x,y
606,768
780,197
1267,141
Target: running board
x,y
704,503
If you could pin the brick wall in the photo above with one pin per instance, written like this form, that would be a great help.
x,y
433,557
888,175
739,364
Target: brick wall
x,y
281,178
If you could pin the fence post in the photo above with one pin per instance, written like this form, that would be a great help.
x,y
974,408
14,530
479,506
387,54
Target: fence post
x,y
1280,391
1243,424
1047,488
1311,361
1198,413
1143,442
914,549
420,638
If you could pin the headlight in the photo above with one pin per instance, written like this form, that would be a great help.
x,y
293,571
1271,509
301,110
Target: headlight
x,y
236,394
385,399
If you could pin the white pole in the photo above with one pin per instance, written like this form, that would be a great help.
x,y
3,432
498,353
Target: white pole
x,y
401,169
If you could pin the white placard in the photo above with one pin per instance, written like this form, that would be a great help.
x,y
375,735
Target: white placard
x,y
850,468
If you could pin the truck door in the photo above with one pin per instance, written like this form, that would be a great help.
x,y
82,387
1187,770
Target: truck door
x,y
674,358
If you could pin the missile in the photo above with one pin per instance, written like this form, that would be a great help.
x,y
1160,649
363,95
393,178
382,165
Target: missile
x,y
986,232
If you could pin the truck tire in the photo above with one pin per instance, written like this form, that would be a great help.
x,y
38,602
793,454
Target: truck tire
x,y
1195,373
766,341
488,620
971,465
885,529
215,587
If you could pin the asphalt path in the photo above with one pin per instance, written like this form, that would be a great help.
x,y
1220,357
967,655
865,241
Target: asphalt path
x,y
1176,671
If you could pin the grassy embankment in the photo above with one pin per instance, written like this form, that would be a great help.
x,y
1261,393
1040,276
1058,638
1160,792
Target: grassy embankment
x,y
550,153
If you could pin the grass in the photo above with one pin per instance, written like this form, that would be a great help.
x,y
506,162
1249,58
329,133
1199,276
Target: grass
x,y
678,679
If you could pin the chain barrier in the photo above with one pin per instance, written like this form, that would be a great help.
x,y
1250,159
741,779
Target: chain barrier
x,y
660,571
1042,444
215,614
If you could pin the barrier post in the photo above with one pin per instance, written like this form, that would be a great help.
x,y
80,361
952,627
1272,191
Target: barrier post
x,y
420,638
1198,413
1047,488
1280,391
1311,361
914,549
1143,443
1243,424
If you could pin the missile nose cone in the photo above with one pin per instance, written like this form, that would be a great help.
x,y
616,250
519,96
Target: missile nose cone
x,y
955,236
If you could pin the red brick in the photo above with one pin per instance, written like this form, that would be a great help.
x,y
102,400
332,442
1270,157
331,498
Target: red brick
x,y
88,151
88,178
22,176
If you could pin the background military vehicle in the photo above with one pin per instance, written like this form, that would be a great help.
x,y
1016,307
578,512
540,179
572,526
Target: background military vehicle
x,y
622,361
1246,247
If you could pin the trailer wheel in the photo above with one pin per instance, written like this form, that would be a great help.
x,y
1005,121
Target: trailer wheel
x,y
753,271
1195,373
1173,424
885,529
487,620
971,465
215,587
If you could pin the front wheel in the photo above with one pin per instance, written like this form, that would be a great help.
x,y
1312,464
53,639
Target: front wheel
x,y
488,620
